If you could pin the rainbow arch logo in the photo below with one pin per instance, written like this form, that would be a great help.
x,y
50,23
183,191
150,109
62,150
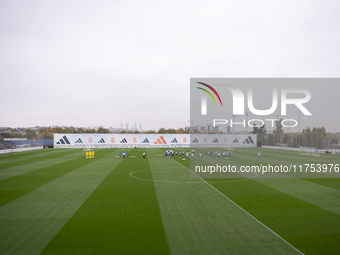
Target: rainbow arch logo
x,y
209,93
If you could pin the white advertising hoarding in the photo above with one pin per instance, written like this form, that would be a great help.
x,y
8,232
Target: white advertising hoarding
x,y
223,140
153,140
120,140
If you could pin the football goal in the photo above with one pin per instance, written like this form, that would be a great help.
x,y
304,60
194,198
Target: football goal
x,y
311,151
282,146
88,148
228,148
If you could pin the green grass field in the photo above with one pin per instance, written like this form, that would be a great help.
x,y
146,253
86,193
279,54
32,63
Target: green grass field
x,y
56,201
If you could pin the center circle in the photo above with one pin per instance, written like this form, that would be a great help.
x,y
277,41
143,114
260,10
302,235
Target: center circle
x,y
132,174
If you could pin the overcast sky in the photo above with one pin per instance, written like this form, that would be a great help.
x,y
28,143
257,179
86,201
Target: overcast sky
x,y
100,63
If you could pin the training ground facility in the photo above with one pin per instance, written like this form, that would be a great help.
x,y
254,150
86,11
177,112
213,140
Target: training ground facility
x,y
55,201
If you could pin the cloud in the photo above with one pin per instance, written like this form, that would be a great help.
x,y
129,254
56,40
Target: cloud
x,y
88,63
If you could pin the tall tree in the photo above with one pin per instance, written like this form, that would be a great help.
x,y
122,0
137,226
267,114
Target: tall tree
x,y
188,131
196,131
48,133
180,131
278,131
261,133
91,131
306,137
255,129
59,130
68,130
318,136
80,130
103,131
151,132
162,131
262,129
171,131
30,134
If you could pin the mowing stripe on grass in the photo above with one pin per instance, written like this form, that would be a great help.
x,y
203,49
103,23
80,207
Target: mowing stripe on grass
x,y
29,155
19,153
309,228
34,160
315,194
200,220
120,217
31,221
242,157
319,195
282,205
22,169
333,183
17,186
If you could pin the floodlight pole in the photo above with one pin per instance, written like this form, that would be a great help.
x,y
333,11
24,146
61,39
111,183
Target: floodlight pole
x,y
316,138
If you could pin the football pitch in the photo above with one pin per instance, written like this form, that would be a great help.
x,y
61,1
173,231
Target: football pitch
x,y
56,201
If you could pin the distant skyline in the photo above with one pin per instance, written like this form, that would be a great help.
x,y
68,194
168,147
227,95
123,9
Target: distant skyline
x,y
103,63
76,127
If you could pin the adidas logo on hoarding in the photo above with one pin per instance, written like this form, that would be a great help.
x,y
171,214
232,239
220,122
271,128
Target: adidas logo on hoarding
x,y
235,140
160,140
174,141
123,141
145,140
64,140
101,141
78,141
249,140
195,141
215,141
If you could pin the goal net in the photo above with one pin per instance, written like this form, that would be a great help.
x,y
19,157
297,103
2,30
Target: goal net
x,y
282,146
311,151
228,148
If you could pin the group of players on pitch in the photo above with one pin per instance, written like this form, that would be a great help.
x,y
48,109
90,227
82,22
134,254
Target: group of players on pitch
x,y
126,155
188,155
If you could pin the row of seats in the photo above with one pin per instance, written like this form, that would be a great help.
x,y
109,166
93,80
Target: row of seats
x,y
31,143
45,142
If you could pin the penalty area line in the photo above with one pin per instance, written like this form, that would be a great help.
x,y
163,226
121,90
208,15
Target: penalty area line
x,y
272,231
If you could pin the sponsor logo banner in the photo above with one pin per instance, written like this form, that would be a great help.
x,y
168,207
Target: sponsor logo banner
x,y
118,140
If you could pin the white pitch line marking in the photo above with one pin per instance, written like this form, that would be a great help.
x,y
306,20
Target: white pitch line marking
x,y
244,210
